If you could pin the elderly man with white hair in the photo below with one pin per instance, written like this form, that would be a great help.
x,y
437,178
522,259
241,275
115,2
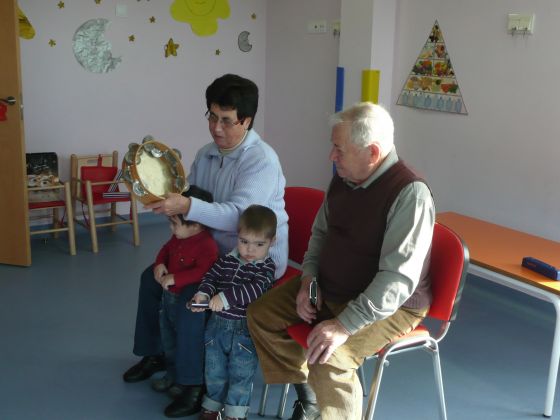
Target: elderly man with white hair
x,y
369,252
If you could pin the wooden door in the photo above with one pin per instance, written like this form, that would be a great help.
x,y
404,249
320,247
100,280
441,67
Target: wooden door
x,y
14,224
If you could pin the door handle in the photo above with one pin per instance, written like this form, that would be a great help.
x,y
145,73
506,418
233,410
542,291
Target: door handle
x,y
10,100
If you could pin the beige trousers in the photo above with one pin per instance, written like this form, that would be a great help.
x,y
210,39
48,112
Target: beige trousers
x,y
338,389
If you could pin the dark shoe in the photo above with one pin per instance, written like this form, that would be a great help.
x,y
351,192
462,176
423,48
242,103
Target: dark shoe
x,y
176,390
162,384
188,403
210,415
144,369
304,410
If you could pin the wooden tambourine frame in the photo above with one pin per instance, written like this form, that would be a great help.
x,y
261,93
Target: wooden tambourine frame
x,y
151,170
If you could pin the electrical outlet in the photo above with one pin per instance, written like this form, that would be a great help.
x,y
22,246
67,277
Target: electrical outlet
x,y
317,27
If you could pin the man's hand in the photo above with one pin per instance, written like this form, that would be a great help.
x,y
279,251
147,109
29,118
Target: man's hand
x,y
160,270
324,339
304,309
167,281
171,205
216,304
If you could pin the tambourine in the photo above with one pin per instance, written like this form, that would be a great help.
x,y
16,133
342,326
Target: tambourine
x,y
151,170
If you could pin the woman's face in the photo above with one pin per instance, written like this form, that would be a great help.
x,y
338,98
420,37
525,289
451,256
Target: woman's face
x,y
225,128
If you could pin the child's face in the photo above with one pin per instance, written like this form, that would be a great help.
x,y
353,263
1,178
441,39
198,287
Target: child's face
x,y
180,230
253,246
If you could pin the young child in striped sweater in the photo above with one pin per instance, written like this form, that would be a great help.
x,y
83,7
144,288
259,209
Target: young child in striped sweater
x,y
233,282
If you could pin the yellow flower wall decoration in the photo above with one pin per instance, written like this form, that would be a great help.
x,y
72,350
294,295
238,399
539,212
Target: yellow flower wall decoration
x,y
202,15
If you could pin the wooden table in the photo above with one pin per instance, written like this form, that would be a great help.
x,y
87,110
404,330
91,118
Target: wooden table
x,y
496,253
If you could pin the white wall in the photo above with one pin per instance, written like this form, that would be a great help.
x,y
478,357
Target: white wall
x,y
500,162
70,110
300,87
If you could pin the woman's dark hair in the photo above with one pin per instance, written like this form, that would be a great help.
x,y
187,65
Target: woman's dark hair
x,y
235,92
199,193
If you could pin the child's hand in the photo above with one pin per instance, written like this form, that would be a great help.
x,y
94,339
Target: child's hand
x,y
198,298
216,304
167,281
160,270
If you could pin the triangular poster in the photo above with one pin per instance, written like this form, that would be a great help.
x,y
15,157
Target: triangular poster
x,y
432,83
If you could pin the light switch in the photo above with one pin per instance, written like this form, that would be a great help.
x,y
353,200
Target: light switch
x,y
520,23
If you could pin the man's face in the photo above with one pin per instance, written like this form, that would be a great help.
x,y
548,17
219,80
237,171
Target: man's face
x,y
225,128
352,162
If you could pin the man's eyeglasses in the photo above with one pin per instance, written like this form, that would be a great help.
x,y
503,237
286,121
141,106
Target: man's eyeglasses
x,y
225,122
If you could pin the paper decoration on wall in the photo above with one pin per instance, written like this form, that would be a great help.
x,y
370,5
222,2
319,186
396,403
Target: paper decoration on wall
x,y
152,19
26,30
131,38
217,52
253,16
97,1
52,42
243,41
91,49
171,48
60,5
432,83
202,15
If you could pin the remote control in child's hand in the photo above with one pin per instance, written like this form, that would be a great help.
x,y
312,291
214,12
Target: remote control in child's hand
x,y
203,305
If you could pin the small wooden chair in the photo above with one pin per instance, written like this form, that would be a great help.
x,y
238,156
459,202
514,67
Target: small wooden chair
x,y
94,176
55,205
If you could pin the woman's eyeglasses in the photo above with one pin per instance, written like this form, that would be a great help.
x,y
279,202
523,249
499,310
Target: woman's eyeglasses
x,y
225,122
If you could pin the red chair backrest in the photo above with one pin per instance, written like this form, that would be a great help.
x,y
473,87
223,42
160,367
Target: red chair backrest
x,y
302,204
448,270
97,173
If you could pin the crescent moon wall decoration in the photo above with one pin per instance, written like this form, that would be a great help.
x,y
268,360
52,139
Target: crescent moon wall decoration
x,y
243,41
91,49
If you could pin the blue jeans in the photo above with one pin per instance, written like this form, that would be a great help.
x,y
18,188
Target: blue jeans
x,y
231,363
189,354
168,329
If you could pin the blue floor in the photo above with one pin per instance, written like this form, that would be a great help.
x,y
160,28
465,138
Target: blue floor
x,y
67,326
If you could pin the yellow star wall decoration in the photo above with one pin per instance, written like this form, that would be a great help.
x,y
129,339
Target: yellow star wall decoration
x,y
52,42
254,16
217,52
171,48
60,5
97,1
152,19
132,38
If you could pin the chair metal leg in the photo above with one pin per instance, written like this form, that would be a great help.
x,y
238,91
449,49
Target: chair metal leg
x,y
439,381
282,402
375,385
264,396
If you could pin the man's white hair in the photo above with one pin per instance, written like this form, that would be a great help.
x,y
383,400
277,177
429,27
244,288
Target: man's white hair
x,y
370,124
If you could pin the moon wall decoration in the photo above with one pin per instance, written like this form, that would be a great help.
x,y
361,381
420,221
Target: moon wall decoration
x,y
91,49
243,41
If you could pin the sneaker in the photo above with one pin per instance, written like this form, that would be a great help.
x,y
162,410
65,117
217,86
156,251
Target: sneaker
x,y
209,415
305,410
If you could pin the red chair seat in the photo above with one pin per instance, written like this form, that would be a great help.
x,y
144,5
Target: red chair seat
x,y
46,204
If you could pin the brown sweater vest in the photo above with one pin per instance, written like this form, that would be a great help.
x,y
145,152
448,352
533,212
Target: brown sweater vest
x,y
357,220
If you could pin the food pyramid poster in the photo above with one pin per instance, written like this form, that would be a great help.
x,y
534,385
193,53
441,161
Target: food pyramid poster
x,y
432,83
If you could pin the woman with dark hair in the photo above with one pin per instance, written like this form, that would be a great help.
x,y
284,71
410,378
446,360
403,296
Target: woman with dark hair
x,y
239,169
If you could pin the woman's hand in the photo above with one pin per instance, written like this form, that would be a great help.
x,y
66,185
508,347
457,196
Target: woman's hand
x,y
172,204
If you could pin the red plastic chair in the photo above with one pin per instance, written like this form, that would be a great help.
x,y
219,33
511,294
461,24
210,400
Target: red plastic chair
x,y
90,181
448,270
302,204
57,224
